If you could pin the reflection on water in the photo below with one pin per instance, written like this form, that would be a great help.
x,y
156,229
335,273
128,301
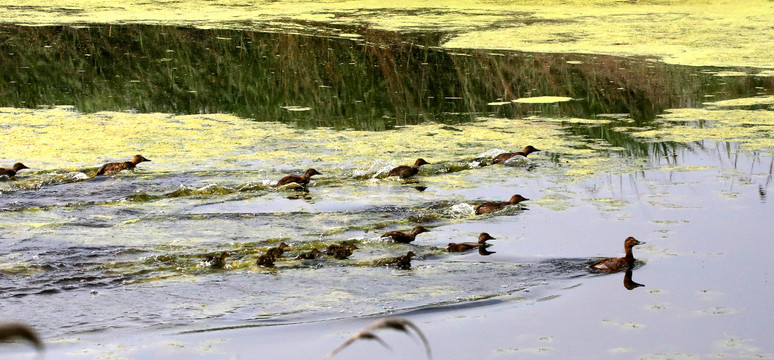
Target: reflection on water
x,y
374,82
630,284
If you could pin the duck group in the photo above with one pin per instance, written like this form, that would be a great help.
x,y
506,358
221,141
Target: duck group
x,y
345,249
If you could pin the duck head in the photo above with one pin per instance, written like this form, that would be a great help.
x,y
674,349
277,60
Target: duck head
x,y
483,237
515,199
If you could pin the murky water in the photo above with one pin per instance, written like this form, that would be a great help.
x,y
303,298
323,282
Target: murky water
x,y
224,114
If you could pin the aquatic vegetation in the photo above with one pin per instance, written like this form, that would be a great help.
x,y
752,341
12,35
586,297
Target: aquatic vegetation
x,y
751,128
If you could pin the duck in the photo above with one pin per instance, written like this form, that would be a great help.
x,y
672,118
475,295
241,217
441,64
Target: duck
x,y
493,206
276,252
342,253
333,248
11,172
405,238
309,255
614,264
505,156
216,261
401,262
298,179
460,247
265,260
405,171
110,168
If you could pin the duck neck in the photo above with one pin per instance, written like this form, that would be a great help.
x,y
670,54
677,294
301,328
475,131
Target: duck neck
x,y
629,256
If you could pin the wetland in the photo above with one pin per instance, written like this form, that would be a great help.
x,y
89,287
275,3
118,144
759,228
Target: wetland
x,y
677,156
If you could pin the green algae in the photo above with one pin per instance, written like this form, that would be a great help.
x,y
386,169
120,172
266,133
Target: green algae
x,y
542,100
743,102
753,129
685,32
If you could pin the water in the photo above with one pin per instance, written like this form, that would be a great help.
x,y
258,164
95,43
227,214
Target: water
x,y
122,256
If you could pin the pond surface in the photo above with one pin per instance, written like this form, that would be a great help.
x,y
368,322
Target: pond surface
x,y
678,157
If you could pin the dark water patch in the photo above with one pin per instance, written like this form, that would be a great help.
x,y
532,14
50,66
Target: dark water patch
x,y
373,82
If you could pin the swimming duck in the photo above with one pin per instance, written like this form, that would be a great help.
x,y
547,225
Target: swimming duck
x,y
401,262
265,260
11,172
110,168
309,255
342,253
614,264
405,238
301,180
405,171
493,206
505,156
216,261
276,252
333,248
459,247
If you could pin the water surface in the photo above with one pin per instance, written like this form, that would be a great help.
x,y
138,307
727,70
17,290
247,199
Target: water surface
x,y
224,114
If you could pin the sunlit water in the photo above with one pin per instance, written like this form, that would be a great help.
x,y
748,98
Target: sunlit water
x,y
125,252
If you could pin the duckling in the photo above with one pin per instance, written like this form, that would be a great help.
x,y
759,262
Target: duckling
x,y
344,252
493,206
331,249
216,261
11,172
459,247
298,179
276,252
614,264
309,255
401,262
110,168
505,156
405,171
405,238
265,260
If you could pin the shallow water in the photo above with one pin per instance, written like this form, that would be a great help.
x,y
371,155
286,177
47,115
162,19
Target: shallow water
x,y
123,254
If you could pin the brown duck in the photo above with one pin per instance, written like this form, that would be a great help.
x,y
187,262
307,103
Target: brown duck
x,y
505,156
11,172
614,264
405,171
342,253
276,252
460,247
401,262
120,166
216,261
298,179
405,238
333,248
265,260
493,206
309,255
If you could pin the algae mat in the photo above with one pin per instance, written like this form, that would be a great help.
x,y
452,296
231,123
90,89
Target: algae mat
x,y
719,33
